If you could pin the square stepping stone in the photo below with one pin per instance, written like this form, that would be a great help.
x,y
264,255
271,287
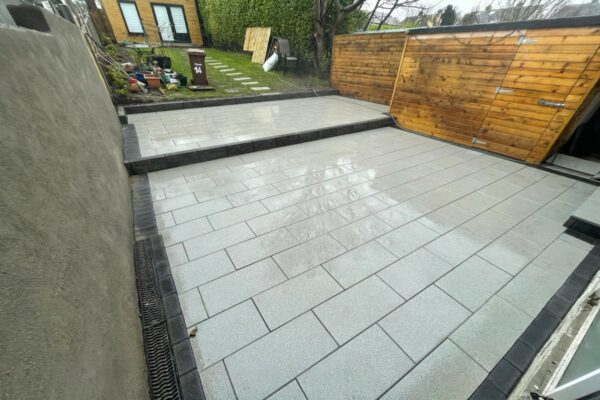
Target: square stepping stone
x,y
242,78
249,83
227,69
234,74
260,88
222,66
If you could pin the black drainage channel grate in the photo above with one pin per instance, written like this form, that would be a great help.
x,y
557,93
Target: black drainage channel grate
x,y
503,378
172,370
142,165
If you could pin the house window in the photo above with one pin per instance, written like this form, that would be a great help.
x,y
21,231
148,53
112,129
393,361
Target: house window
x,y
170,21
131,17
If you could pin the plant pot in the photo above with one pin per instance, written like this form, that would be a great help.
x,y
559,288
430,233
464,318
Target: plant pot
x,y
153,82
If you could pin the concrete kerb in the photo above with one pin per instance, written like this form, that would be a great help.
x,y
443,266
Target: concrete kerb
x,y
140,165
225,101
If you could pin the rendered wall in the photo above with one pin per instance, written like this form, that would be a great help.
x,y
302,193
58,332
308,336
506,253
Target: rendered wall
x,y
69,326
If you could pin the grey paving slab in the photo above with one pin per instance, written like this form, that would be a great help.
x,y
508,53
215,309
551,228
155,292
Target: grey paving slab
x,y
355,309
234,122
423,322
176,255
187,230
361,231
275,220
407,238
237,214
376,226
362,369
357,264
192,307
447,373
457,245
415,272
484,344
252,250
295,347
520,294
309,254
200,210
294,297
361,208
291,391
322,204
316,226
217,240
201,270
251,195
241,285
216,384
226,333
510,252
473,282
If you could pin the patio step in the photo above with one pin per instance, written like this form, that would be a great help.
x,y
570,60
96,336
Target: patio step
x,y
586,219
139,165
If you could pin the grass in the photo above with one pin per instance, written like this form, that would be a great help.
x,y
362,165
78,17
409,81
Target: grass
x,y
226,86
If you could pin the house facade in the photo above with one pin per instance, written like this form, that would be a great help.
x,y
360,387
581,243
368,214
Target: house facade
x,y
154,21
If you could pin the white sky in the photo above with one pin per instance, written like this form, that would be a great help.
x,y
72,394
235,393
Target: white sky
x,y
464,6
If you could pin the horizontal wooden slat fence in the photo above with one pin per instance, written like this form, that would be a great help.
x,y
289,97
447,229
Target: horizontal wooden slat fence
x,y
510,91
365,65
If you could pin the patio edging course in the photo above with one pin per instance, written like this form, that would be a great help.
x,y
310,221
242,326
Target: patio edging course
x,y
172,370
139,165
504,377
225,101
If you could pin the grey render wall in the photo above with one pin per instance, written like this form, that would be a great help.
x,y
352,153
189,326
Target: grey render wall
x,y
69,326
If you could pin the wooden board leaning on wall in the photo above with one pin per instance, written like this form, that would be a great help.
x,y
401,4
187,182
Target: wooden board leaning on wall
x,y
256,40
364,66
509,92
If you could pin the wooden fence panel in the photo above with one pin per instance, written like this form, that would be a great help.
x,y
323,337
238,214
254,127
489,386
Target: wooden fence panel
x,y
364,66
510,92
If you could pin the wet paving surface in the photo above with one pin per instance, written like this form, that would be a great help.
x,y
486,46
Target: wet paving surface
x,y
198,128
380,264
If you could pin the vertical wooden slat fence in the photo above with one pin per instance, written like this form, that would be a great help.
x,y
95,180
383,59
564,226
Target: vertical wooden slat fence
x,y
365,65
510,90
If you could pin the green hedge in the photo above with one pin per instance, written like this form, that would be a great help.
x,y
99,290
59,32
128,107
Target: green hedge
x,y
225,22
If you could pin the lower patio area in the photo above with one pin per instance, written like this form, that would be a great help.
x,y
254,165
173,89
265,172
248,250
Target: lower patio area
x,y
380,264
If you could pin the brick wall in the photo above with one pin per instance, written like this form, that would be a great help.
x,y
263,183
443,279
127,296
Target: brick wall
x,y
144,7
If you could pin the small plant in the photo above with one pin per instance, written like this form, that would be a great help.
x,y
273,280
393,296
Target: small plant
x,y
112,50
117,81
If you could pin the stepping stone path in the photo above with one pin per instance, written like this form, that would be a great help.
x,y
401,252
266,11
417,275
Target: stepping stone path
x,y
244,80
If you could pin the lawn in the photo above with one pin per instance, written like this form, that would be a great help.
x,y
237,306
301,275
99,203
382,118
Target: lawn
x,y
225,85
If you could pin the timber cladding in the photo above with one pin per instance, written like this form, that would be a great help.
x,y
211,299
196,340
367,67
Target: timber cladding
x,y
365,65
511,92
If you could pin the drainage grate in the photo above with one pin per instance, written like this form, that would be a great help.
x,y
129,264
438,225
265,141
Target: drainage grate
x,y
162,375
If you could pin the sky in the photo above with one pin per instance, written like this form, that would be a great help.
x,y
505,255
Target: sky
x,y
464,6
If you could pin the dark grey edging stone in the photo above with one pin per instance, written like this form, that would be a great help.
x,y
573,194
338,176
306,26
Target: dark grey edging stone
x,y
172,370
225,101
583,227
503,378
142,165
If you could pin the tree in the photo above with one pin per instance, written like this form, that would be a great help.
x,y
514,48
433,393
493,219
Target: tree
x,y
383,10
328,16
449,16
522,10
